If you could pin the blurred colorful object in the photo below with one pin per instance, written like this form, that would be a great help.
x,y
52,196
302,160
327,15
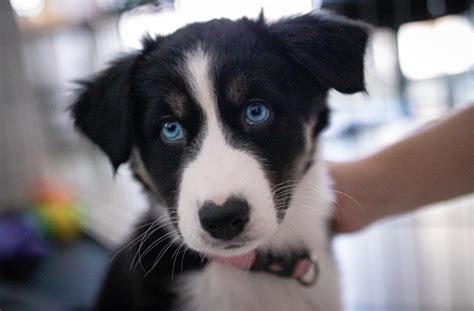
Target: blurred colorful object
x,y
25,235
57,214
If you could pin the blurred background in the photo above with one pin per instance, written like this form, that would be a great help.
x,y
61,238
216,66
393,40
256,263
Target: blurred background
x,y
62,213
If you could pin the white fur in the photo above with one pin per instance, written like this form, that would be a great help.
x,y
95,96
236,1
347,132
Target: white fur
x,y
220,287
220,171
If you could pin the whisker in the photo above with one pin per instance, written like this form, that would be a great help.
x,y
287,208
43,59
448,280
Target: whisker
x,y
150,248
175,254
182,258
162,253
148,234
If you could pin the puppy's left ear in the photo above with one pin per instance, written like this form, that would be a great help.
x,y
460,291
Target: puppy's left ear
x,y
330,47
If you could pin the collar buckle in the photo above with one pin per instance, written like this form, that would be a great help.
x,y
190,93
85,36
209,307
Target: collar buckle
x,y
299,266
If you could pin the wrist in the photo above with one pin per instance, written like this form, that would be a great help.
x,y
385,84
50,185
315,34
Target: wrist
x,y
371,187
360,194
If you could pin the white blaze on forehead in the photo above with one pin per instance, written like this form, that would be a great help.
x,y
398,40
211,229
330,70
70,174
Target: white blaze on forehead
x,y
198,66
219,170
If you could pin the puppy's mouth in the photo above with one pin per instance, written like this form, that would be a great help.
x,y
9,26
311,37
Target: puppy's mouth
x,y
231,249
234,246
238,254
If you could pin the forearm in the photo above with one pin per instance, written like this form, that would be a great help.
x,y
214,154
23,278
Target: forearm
x,y
434,164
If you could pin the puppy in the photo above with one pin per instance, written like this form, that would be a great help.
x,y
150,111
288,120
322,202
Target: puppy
x,y
219,121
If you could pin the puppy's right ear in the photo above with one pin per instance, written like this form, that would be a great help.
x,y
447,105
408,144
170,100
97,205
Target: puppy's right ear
x,y
103,110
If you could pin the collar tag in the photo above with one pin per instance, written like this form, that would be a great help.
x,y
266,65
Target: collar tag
x,y
310,272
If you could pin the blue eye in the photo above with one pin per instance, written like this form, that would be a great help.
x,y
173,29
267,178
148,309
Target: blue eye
x,y
172,131
256,113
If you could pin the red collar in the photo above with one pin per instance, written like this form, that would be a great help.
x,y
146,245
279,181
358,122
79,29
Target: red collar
x,y
298,265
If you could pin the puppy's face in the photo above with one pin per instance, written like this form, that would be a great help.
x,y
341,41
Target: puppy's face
x,y
222,118
218,132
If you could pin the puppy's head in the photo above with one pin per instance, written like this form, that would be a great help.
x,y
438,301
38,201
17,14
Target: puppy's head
x,y
221,118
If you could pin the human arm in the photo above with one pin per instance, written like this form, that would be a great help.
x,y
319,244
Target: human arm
x,y
432,165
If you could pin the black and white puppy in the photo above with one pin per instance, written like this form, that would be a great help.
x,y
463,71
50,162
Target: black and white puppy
x,y
219,121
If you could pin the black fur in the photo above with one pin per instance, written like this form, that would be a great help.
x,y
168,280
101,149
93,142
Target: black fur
x,y
104,111
331,48
134,282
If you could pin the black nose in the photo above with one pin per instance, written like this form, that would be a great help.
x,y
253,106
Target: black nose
x,y
226,221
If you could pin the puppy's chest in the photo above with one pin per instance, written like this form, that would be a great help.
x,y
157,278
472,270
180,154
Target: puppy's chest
x,y
222,288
